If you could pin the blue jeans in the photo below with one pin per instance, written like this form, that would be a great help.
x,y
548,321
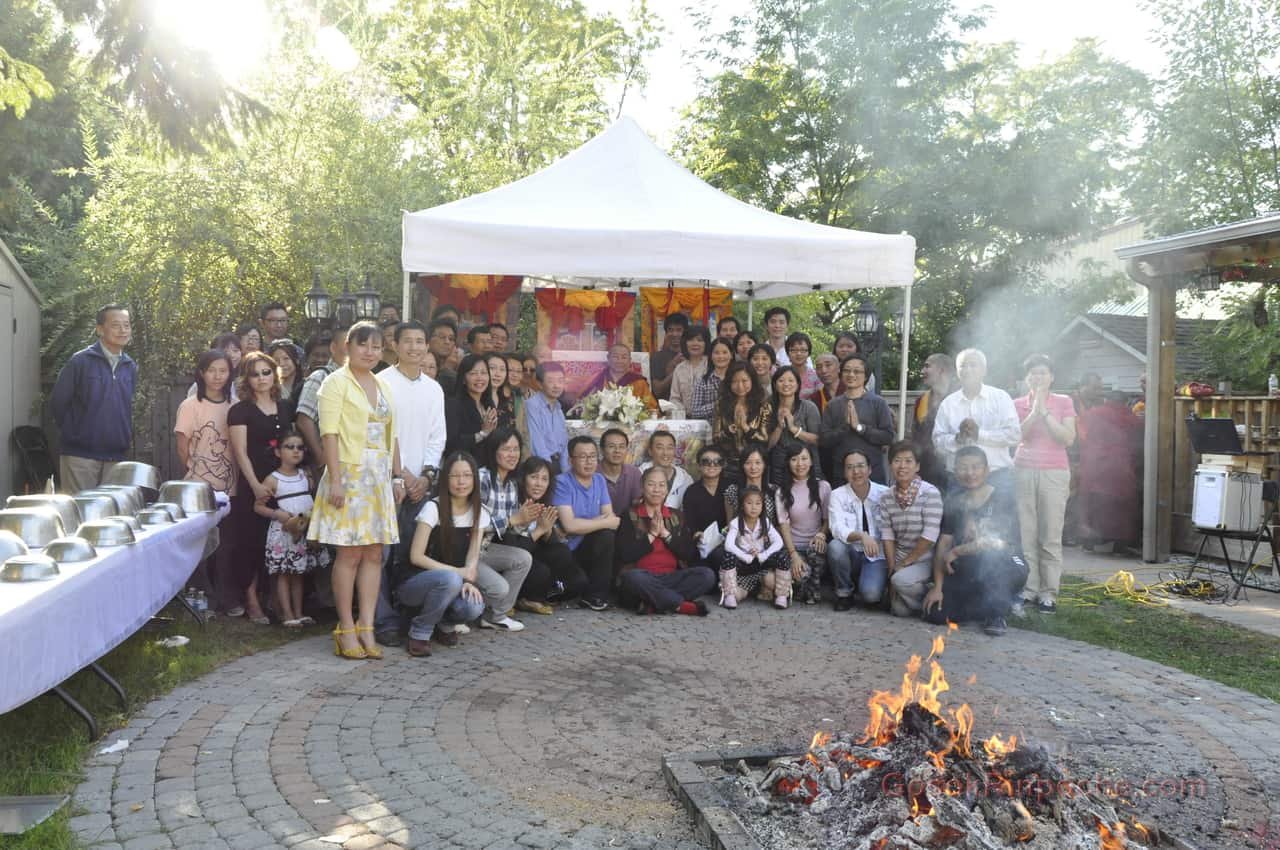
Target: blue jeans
x,y
849,564
437,594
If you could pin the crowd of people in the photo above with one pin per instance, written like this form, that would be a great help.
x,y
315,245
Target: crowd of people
x,y
439,486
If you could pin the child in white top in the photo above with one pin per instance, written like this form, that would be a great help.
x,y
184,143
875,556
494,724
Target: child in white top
x,y
753,554
288,506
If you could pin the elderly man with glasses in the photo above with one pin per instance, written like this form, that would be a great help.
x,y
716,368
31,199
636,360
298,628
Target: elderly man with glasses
x,y
586,514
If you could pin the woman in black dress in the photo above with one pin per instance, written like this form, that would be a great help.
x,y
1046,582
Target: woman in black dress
x,y
257,423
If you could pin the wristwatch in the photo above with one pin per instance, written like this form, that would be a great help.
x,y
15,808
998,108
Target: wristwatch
x,y
861,428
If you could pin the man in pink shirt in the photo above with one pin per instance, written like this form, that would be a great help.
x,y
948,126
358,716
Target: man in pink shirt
x,y
1043,478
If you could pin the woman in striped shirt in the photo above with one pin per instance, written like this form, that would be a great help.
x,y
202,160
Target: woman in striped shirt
x,y
909,518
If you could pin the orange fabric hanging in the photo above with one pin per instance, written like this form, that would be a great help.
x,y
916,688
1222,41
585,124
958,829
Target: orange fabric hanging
x,y
698,302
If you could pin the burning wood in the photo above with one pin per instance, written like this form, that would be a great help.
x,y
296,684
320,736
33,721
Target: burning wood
x,y
915,779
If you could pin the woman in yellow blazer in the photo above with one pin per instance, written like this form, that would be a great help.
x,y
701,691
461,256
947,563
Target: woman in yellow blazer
x,y
355,506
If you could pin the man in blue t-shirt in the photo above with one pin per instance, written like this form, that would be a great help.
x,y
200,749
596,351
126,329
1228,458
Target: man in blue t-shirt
x,y
586,514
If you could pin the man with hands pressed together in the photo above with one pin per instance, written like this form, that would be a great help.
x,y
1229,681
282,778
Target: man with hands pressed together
x,y
587,517
978,415
859,419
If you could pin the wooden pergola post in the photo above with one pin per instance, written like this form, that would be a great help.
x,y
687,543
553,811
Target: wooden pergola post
x,y
1157,471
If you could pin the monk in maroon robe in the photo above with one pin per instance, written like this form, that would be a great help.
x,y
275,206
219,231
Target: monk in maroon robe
x,y
1110,446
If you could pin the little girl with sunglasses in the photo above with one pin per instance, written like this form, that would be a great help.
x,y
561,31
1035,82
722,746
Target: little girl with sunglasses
x,y
288,506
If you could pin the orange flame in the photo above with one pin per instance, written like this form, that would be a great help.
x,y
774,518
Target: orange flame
x,y
819,739
1113,838
998,748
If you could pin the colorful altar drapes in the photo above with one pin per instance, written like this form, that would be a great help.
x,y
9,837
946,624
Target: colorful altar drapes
x,y
700,304
483,295
562,311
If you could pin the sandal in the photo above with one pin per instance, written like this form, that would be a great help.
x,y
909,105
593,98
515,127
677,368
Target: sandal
x,y
341,651
375,651
292,624
304,620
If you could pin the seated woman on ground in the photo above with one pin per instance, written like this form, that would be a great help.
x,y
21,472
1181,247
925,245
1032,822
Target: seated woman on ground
x,y
446,553
555,575
654,552
977,568
803,502
909,518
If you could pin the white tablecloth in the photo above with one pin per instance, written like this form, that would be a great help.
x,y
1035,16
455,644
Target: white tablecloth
x,y
51,629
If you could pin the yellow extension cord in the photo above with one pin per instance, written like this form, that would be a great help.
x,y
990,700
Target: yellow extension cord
x,y
1122,585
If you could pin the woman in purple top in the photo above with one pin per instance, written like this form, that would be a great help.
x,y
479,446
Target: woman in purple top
x,y
802,519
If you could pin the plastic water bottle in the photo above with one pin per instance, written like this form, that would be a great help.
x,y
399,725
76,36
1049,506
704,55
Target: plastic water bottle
x,y
1273,386
202,602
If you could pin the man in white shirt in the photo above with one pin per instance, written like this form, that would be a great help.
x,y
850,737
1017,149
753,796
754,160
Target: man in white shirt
x,y
417,403
854,553
978,415
662,454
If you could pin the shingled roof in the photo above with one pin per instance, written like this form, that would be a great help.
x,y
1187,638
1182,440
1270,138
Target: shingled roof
x,y
1130,332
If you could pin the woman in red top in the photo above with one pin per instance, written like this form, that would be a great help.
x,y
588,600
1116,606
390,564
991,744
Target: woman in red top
x,y
654,548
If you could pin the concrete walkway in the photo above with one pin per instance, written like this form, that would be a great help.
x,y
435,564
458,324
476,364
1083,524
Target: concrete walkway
x,y
1256,609
552,737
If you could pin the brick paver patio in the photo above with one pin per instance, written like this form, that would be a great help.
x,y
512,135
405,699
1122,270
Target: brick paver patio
x,y
552,737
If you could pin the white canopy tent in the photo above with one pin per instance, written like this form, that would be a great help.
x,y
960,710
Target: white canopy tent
x,y
619,209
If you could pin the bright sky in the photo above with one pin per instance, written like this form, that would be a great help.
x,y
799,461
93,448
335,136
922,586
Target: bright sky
x,y
1044,28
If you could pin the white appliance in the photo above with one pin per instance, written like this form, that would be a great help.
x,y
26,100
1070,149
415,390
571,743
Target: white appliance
x,y
1228,500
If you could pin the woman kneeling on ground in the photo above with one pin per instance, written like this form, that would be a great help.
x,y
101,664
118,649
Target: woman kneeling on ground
x,y
977,560
654,549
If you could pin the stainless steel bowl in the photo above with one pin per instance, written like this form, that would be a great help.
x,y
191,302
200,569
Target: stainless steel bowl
x,y
154,516
66,506
69,550
137,475
175,510
95,506
36,526
106,532
10,545
119,500
29,568
137,498
132,521
195,497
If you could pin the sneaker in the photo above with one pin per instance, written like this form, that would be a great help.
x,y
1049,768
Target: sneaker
x,y
1018,610
236,611
995,627
694,608
844,603
593,603
462,629
1047,606
502,623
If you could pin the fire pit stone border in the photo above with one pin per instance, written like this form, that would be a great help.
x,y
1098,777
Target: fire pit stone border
x,y
715,825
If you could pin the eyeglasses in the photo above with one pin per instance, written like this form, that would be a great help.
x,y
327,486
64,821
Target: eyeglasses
x,y
293,447
711,461
267,374
591,456
857,466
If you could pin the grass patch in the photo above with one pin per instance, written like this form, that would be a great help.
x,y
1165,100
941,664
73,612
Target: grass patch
x,y
1202,646
43,744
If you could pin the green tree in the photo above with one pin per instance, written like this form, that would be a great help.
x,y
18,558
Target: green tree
x,y
1212,152
882,116
504,87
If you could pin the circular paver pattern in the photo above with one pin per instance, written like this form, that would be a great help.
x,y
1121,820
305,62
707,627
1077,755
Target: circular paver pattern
x,y
552,737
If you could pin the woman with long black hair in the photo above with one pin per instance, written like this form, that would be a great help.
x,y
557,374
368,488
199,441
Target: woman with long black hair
x,y
470,416
742,415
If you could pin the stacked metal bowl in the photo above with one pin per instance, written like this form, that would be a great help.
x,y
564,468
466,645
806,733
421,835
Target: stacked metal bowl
x,y
194,497
36,525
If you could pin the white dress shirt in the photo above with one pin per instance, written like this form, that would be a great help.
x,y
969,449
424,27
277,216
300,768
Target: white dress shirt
x,y
418,409
847,512
998,427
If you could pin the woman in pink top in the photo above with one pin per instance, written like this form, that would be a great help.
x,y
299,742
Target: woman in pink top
x,y
1043,480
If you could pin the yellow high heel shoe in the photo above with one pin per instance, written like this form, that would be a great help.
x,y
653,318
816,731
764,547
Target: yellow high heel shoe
x,y
341,651
375,651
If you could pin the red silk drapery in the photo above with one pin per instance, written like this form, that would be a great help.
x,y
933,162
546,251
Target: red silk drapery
x,y
478,294
566,309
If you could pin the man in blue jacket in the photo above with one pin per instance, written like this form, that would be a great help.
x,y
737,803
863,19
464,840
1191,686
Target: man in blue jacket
x,y
92,403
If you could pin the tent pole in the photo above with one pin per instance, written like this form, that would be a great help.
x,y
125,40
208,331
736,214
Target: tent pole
x,y
902,374
406,297
751,312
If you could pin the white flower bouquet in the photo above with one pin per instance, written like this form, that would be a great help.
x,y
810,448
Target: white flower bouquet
x,y
614,404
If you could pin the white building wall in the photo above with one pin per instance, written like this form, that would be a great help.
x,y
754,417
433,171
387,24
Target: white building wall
x,y
20,376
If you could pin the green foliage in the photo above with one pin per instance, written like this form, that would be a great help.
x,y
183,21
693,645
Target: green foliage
x,y
1244,349
503,88
879,116
1212,154
20,83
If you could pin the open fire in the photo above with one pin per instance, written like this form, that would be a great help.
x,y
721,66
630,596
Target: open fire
x,y
916,778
